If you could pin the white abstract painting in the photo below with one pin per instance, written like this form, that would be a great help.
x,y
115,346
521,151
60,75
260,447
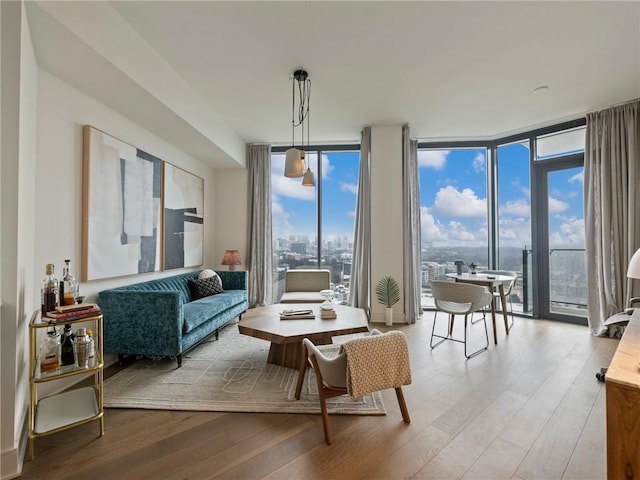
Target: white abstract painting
x,y
121,208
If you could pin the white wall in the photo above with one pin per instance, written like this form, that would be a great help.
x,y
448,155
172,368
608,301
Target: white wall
x,y
19,90
62,111
386,214
231,214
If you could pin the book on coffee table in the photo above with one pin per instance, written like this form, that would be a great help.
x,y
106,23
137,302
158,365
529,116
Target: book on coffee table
x,y
297,314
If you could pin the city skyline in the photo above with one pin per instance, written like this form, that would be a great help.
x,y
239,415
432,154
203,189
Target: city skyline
x,y
453,198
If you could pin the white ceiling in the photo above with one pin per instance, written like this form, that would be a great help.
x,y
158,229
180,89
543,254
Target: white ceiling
x,y
450,69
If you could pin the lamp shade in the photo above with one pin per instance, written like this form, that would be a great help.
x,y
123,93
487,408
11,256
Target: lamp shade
x,y
293,165
231,258
307,179
633,271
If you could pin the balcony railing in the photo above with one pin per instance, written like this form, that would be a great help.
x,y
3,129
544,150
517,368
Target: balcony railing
x,y
567,283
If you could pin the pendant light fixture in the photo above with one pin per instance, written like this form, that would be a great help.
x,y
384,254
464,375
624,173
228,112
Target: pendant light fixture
x,y
294,166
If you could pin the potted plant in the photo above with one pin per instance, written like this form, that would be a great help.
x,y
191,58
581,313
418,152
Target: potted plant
x,y
388,293
472,268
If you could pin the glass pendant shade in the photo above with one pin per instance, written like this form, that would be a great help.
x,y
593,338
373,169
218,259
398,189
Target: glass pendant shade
x,y
294,165
307,179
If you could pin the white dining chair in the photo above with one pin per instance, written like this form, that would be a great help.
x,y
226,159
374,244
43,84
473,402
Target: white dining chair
x,y
455,298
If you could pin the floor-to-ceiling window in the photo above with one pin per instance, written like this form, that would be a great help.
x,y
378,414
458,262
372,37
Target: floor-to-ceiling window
x,y
513,201
313,226
453,204
512,204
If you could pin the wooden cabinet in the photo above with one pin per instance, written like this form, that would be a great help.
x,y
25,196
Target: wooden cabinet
x,y
623,405
70,408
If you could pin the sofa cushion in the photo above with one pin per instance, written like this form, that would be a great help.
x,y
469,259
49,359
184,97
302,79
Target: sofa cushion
x,y
200,311
210,273
204,287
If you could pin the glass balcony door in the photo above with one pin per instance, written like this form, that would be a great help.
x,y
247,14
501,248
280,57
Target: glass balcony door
x,y
558,261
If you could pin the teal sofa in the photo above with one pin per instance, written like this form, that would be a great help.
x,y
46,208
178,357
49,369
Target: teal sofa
x,y
158,318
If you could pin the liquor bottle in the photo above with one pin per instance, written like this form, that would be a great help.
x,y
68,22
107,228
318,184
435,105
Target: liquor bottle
x,y
50,351
67,357
49,291
92,344
68,286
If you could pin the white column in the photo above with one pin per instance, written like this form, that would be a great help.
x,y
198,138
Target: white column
x,y
386,213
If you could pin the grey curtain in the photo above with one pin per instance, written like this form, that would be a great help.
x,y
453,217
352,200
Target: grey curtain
x,y
360,282
260,246
411,238
612,208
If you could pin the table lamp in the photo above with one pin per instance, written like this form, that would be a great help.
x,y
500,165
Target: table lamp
x,y
231,258
633,271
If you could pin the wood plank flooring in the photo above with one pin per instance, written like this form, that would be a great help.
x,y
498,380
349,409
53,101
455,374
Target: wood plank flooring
x,y
528,408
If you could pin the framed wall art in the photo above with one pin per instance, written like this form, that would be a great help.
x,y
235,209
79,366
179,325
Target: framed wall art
x,y
183,218
122,208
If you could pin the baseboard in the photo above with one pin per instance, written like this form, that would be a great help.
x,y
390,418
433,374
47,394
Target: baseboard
x,y
11,460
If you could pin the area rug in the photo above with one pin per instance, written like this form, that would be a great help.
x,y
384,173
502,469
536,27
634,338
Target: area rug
x,y
226,375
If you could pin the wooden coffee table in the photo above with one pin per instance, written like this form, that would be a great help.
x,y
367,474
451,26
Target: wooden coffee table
x,y
286,335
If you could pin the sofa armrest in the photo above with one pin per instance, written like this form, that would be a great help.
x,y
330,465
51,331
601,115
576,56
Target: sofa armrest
x,y
142,322
234,279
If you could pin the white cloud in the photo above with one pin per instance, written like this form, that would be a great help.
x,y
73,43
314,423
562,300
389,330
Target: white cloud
x,y
351,213
519,207
327,168
453,233
432,158
291,187
431,229
578,177
514,232
454,203
570,232
556,205
478,163
280,220
349,187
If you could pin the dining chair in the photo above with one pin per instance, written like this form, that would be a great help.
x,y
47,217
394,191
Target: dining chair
x,y
456,298
507,287
334,378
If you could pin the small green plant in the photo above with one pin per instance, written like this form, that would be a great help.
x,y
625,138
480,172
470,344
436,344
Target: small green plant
x,y
388,291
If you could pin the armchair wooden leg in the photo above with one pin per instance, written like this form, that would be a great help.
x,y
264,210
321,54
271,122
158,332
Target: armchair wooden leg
x,y
302,369
323,400
325,418
403,405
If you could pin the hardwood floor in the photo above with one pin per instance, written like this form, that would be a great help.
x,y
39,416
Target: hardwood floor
x,y
528,408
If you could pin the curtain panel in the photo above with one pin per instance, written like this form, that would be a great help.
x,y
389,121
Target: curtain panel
x,y
612,208
360,283
411,228
260,245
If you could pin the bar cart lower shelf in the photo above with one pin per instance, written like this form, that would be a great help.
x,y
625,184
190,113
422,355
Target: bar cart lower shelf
x,y
61,411
66,409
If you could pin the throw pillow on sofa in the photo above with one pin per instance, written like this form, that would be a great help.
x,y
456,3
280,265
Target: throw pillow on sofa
x,y
204,287
210,273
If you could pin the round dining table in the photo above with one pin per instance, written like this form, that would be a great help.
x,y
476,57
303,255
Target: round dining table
x,y
491,281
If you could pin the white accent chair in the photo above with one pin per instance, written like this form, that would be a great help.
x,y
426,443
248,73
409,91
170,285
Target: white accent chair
x,y
305,285
454,299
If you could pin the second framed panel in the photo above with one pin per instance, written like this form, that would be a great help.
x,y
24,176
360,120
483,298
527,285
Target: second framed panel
x,y
183,218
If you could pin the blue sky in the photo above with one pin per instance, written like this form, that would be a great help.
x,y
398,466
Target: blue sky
x,y
294,206
453,198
